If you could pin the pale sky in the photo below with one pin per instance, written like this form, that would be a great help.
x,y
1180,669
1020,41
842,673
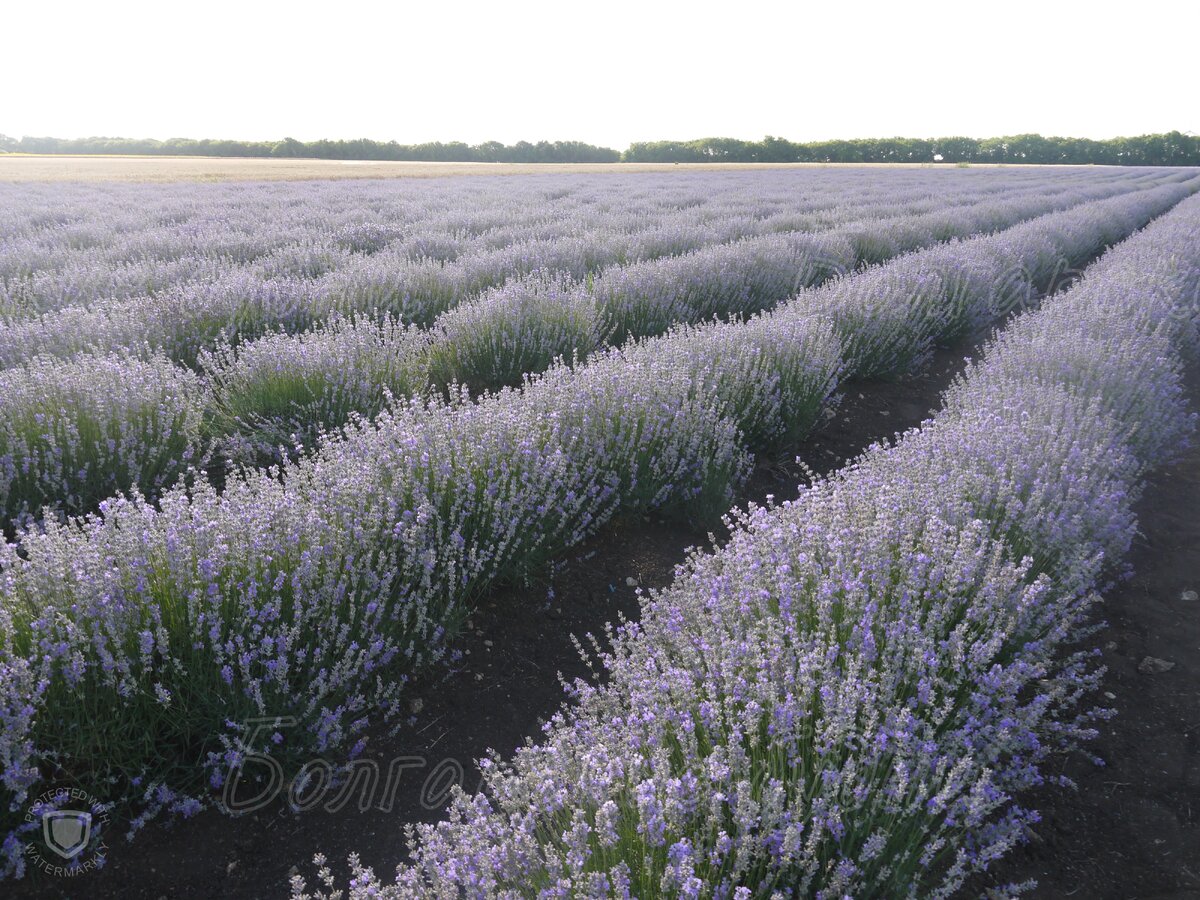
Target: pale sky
x,y
606,73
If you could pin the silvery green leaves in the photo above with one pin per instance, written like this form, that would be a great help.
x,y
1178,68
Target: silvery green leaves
x,y
511,331
285,390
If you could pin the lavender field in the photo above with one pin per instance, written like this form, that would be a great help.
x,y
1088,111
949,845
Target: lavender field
x,y
266,447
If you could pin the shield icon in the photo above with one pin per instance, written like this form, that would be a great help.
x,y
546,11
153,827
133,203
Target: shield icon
x,y
67,831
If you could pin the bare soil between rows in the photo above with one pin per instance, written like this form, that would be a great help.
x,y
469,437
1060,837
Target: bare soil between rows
x,y
1131,831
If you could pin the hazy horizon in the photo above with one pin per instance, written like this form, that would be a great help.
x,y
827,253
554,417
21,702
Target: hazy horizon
x,y
563,138
627,73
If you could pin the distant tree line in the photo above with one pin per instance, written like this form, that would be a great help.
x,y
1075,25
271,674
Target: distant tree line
x,y
1170,149
455,151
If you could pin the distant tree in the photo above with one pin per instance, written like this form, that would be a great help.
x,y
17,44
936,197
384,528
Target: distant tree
x,y
289,147
777,150
957,149
490,151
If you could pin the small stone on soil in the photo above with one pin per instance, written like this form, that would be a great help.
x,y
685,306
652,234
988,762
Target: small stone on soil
x,y
1152,665
1189,596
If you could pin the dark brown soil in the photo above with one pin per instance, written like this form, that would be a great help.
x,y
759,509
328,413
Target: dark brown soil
x,y
1130,832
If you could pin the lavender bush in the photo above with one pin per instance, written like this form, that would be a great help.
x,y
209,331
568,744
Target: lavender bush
x,y
315,588
230,276
938,294
772,379
519,328
850,695
721,281
75,432
287,390
316,591
948,291
283,391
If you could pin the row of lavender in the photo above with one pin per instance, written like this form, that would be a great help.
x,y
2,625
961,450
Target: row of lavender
x,y
75,432
80,244
284,389
849,697
134,643
231,302
636,297
134,242
59,228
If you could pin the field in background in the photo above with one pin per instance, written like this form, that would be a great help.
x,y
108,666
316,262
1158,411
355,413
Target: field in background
x,y
195,168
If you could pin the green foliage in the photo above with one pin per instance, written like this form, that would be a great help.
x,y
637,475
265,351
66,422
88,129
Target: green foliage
x,y
290,148
283,390
493,342
1171,149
